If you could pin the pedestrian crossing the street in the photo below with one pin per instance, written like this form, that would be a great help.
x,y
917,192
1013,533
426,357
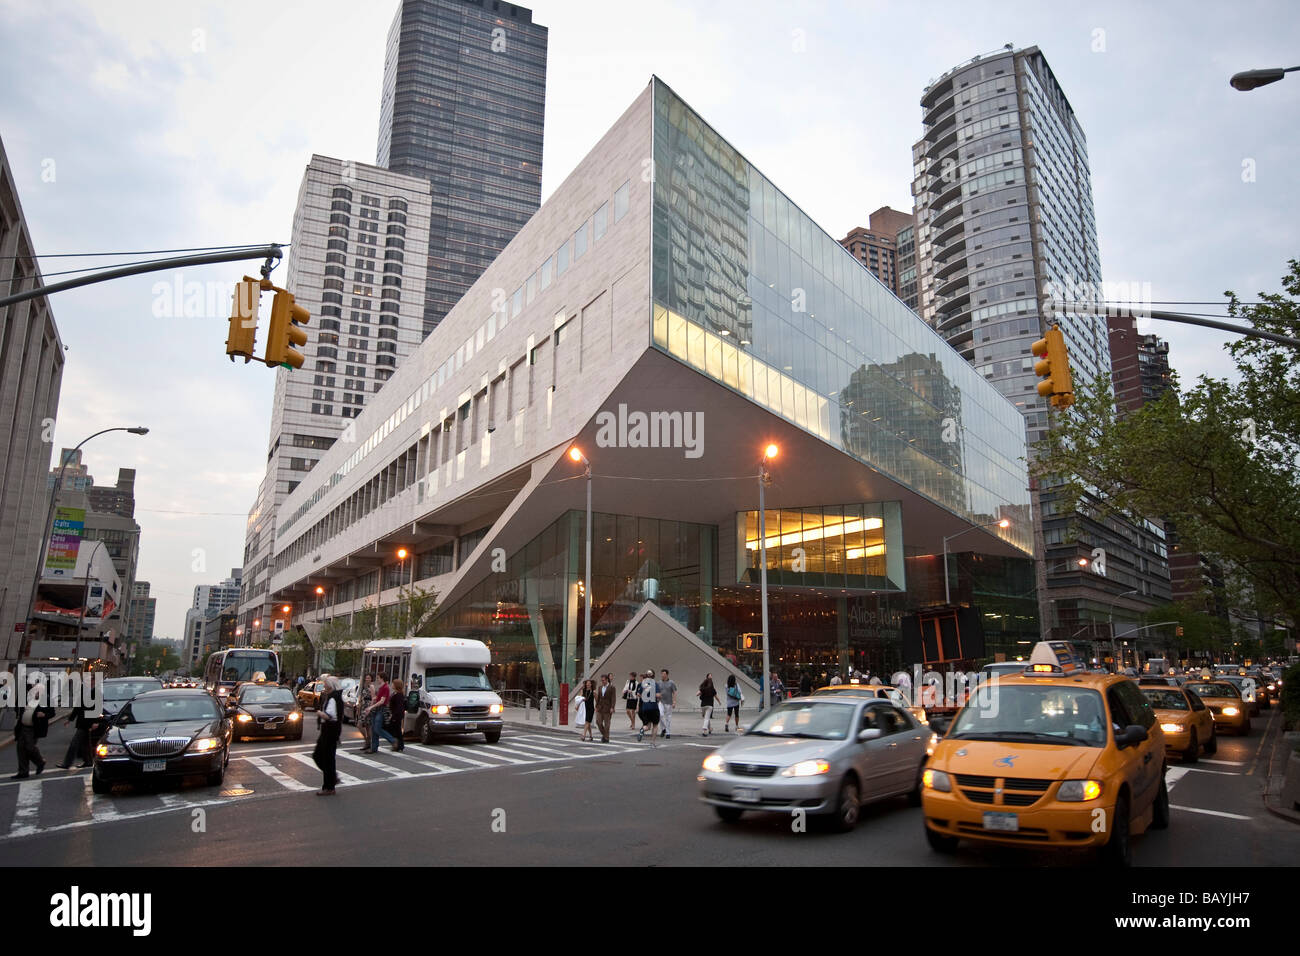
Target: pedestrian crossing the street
x,y
65,801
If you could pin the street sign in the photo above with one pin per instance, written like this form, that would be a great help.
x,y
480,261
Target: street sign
x,y
20,626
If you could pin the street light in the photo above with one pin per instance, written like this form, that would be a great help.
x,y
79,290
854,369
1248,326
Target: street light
x,y
85,599
577,457
1250,79
49,519
764,478
1111,622
1004,523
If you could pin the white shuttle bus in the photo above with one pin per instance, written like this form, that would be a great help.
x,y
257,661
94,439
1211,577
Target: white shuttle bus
x,y
449,675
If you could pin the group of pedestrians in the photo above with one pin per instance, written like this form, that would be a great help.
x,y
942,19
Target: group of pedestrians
x,y
595,703
652,700
381,713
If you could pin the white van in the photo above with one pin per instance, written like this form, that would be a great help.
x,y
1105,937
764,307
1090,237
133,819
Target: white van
x,y
448,674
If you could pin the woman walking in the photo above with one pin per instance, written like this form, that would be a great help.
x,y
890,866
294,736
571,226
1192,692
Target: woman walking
x,y
364,700
632,696
708,696
330,717
734,699
586,705
397,715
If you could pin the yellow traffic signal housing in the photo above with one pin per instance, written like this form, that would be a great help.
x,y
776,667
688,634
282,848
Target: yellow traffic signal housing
x,y
285,331
243,319
1053,368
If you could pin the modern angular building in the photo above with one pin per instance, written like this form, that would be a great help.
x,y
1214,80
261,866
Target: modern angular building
x,y
357,263
31,373
670,326
462,106
1004,220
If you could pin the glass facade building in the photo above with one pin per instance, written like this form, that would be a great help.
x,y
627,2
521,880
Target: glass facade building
x,y
705,288
462,106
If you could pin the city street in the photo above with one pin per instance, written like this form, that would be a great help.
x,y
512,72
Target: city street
x,y
542,797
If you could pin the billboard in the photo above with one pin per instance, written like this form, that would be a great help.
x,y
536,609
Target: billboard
x,y
65,541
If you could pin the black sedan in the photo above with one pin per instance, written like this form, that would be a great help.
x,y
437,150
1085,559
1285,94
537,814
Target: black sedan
x,y
264,710
161,735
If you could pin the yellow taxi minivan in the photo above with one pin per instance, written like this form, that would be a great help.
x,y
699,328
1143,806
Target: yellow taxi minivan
x,y
1051,757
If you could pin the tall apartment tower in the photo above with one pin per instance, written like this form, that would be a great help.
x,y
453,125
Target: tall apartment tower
x,y
876,244
462,106
31,372
357,263
1004,215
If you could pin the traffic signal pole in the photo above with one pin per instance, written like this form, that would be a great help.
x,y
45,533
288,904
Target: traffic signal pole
x,y
1179,317
271,253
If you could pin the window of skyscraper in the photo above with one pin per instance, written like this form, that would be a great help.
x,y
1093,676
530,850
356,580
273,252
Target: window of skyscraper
x,y
621,200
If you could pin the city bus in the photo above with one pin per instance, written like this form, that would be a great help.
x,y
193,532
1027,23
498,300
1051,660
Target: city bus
x,y
227,668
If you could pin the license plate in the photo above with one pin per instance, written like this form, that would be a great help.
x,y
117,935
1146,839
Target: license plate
x,y
745,795
271,723
1008,822
471,726
153,766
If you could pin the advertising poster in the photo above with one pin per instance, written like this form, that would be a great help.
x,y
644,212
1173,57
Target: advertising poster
x,y
65,541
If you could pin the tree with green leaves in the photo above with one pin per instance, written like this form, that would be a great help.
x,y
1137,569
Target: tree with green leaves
x,y
343,639
153,659
1218,458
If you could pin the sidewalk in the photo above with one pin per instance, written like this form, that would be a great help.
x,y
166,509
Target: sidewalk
x,y
1283,745
687,725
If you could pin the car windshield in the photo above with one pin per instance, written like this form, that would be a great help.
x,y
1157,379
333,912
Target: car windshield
x,y
125,690
1217,689
1029,713
266,695
822,720
1165,699
455,678
161,709
249,666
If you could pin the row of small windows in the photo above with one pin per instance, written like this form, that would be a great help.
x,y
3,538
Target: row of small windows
x,y
591,231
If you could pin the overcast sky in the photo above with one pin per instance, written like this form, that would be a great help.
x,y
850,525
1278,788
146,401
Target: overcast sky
x,y
137,126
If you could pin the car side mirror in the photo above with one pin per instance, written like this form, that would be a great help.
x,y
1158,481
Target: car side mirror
x,y
871,733
1132,734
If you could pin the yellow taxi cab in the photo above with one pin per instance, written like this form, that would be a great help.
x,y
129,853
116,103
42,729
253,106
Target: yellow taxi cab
x,y
1227,708
1052,757
1186,721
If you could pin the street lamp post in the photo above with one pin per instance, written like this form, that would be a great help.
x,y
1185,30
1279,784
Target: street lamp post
x,y
764,477
49,519
1004,523
1111,622
85,599
576,455
1251,79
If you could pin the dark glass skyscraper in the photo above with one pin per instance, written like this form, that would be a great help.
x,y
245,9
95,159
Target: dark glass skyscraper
x,y
462,106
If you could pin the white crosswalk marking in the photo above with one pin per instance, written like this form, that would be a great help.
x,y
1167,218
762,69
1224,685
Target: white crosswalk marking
x,y
283,766
278,775
1173,775
1225,763
395,771
28,808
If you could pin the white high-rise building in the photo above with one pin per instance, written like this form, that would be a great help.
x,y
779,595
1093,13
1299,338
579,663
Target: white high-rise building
x,y
214,597
357,262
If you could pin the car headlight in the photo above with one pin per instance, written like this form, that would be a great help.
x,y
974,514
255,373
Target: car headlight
x,y
1075,791
204,744
295,716
243,718
1172,728
714,763
1230,712
110,750
1272,687
439,709
494,709
934,742
936,780
807,768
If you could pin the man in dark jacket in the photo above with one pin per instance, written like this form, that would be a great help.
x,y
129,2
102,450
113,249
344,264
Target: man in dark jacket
x,y
80,744
33,723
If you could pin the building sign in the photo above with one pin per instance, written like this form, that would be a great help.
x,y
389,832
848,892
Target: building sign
x,y
65,541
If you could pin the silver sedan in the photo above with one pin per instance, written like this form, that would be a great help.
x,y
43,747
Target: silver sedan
x,y
823,755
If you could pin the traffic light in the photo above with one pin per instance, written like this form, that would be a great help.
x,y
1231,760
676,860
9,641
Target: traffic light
x,y
243,319
285,331
1053,368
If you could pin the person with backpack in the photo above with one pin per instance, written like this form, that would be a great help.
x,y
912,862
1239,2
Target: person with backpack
x,y
632,695
649,707
708,696
734,699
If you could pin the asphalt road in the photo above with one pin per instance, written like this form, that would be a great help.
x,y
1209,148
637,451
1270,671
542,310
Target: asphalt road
x,y
542,798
